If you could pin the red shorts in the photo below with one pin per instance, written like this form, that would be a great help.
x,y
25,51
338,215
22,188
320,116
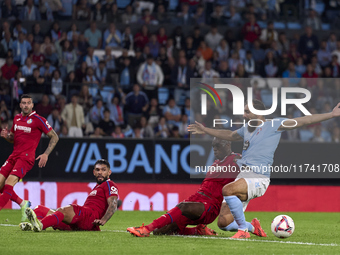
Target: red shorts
x,y
16,165
84,218
212,210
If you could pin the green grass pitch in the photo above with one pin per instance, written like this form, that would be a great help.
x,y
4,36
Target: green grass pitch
x,y
315,233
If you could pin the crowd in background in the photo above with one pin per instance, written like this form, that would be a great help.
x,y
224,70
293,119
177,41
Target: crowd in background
x,y
82,94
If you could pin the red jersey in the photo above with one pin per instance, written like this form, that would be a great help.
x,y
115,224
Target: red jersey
x,y
215,180
27,132
97,199
251,32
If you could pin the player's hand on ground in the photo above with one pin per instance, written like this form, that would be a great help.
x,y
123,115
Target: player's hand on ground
x,y
336,111
196,128
43,159
4,132
99,222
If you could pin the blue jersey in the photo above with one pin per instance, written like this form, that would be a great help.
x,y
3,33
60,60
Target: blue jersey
x,y
260,145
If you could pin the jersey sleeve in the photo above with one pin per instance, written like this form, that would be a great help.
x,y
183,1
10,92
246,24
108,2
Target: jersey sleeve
x,y
240,131
276,123
43,124
110,190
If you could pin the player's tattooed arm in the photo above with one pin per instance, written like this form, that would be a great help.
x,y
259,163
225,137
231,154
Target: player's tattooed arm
x,y
111,209
53,141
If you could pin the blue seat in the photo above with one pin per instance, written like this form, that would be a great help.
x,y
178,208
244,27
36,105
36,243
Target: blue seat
x,y
305,135
163,95
293,25
279,25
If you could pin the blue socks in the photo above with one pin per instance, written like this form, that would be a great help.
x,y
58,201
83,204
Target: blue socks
x,y
234,227
236,209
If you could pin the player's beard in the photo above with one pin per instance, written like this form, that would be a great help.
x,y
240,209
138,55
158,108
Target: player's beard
x,y
99,181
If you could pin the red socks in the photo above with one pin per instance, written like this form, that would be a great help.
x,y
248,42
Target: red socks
x,y
14,196
6,195
166,219
41,211
52,219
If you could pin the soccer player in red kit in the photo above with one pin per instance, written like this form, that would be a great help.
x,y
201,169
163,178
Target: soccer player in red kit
x,y
25,134
98,208
204,206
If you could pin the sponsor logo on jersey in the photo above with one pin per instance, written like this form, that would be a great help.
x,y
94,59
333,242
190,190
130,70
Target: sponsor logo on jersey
x,y
93,193
29,121
25,129
113,190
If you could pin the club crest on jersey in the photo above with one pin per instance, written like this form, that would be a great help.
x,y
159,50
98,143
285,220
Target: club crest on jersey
x,y
93,193
29,121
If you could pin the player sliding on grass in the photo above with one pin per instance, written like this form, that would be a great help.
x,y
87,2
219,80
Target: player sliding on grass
x,y
98,208
201,208
260,143
25,134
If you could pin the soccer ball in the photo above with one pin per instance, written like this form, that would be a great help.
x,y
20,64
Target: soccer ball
x,y
283,226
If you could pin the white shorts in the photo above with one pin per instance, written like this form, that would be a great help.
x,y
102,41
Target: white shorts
x,y
257,185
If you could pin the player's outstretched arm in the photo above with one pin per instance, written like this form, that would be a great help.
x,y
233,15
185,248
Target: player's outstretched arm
x,y
9,136
310,119
112,202
225,134
53,142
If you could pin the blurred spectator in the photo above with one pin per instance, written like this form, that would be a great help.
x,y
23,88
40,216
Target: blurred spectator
x,y
74,31
9,69
249,64
251,32
258,53
136,102
268,35
199,16
56,32
97,113
153,112
21,47
92,81
234,61
7,42
283,44
126,76
161,15
161,36
300,67
332,42
178,38
308,44
207,53
213,38
292,73
56,85
154,45
175,132
162,129
334,65
147,18
106,124
142,38
189,48
5,28
101,72
36,85
49,8
239,49
127,39
113,15
90,59
118,132
112,36
47,69
316,66
183,126
223,50
116,110
64,131
71,84
150,76
28,68
224,70
233,18
310,74
283,63
80,44
171,51
324,56
5,90
180,75
55,120
85,99
337,51
317,135
68,7
313,20
98,13
37,34
93,36
4,113
47,44
146,129
109,59
30,12
217,17
208,72
44,108
73,115
66,55
336,135
197,38
172,113
184,17
128,16
240,72
97,133
82,12
81,71
9,10
18,28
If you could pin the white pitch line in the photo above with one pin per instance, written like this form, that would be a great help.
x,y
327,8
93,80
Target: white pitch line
x,y
222,238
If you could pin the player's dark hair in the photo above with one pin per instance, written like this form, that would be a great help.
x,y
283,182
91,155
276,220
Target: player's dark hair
x,y
25,96
103,162
258,105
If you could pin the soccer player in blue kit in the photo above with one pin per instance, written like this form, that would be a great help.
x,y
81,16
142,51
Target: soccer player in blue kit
x,y
261,139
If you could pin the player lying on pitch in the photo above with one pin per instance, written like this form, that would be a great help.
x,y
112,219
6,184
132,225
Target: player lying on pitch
x,y
203,207
98,208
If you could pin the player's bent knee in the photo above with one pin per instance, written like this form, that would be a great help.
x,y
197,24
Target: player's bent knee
x,y
221,222
228,191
